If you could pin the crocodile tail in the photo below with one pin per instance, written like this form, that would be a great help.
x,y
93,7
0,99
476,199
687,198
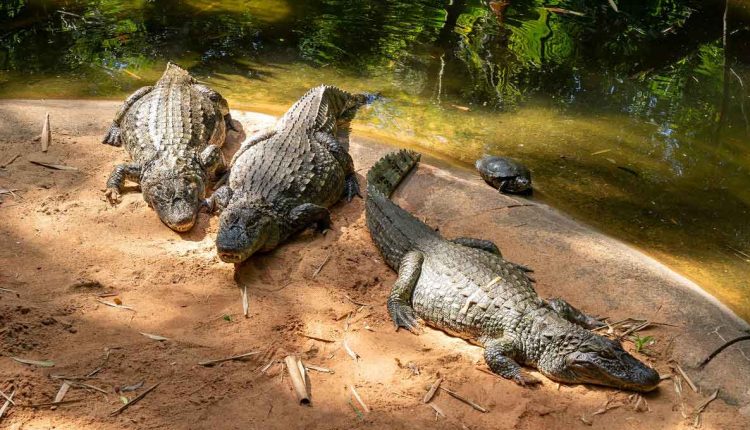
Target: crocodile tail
x,y
390,170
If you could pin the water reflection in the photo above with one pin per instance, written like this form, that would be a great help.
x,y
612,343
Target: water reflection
x,y
634,119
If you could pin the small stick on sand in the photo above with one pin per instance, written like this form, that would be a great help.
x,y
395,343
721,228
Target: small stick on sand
x,y
437,410
46,134
135,400
245,304
318,368
44,405
53,166
299,378
10,161
209,363
722,348
317,271
351,353
465,400
10,399
62,392
359,399
322,339
8,402
431,392
686,378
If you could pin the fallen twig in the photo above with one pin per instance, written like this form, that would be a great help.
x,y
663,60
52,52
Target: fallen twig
x,y
351,353
465,400
359,399
322,339
431,392
722,348
8,402
318,368
10,399
686,378
209,363
48,404
62,392
46,134
299,378
53,166
317,271
135,400
10,161
115,305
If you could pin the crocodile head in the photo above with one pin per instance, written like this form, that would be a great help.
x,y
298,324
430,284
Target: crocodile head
x,y
177,199
244,229
587,358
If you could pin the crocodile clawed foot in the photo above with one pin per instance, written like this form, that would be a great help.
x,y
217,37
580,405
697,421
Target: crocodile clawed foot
x,y
351,189
112,195
525,380
403,317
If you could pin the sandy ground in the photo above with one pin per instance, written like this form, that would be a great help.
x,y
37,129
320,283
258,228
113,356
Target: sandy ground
x,y
62,246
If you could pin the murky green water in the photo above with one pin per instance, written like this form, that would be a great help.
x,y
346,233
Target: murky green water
x,y
632,120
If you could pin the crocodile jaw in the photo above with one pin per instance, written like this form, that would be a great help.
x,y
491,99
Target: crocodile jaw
x,y
242,232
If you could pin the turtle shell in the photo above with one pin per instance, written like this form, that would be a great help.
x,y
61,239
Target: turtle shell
x,y
501,168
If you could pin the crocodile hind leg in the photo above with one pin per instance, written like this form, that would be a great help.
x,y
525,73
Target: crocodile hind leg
x,y
351,186
212,161
308,214
497,354
113,133
489,246
568,312
220,101
116,179
399,301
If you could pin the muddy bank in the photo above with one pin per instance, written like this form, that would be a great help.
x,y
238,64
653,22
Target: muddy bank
x,y
61,230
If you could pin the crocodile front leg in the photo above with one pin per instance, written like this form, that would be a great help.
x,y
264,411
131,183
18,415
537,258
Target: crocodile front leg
x,y
399,301
116,179
568,312
212,161
308,214
351,186
218,200
113,133
498,353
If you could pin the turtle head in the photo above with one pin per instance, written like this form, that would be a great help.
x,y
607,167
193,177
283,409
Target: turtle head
x,y
520,184
244,229
587,358
176,199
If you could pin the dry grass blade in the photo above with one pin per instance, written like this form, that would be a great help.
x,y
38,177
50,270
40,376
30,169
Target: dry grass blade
x,y
8,290
46,134
359,399
48,404
40,363
53,166
154,336
8,402
135,400
431,392
93,387
10,399
686,378
699,410
465,400
115,305
351,353
234,357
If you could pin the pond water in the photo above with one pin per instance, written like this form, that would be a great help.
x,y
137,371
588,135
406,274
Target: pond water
x,y
632,117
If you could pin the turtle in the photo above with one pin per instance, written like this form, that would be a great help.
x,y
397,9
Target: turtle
x,y
505,174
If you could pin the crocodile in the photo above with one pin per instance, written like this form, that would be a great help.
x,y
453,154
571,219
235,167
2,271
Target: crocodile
x,y
173,132
466,288
283,179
